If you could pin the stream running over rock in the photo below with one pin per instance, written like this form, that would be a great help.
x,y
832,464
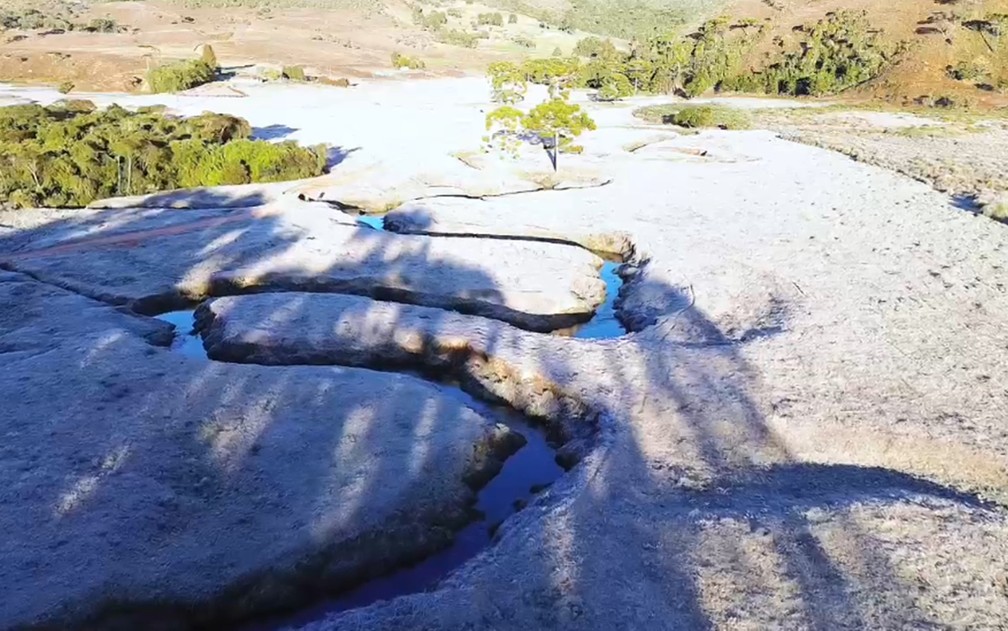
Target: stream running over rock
x,y
530,470
526,473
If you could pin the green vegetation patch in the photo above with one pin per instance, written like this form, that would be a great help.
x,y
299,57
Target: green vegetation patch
x,y
455,37
695,116
70,154
429,21
400,61
59,16
998,211
180,75
490,19
966,71
294,73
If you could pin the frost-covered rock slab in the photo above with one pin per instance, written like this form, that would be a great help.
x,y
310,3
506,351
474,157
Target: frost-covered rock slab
x,y
448,216
152,260
379,186
489,356
150,489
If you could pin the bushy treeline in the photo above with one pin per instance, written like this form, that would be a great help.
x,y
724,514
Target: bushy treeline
x,y
836,53
70,154
660,65
626,19
37,20
436,22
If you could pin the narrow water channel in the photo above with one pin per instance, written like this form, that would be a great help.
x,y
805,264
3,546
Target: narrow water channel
x,y
528,471
604,325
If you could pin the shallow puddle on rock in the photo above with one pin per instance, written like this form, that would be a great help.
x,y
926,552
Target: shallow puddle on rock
x,y
187,341
372,221
604,325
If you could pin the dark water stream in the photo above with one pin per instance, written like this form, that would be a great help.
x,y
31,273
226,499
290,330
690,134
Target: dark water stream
x,y
530,469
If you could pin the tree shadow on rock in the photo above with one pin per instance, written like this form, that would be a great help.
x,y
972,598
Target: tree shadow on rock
x,y
252,489
245,490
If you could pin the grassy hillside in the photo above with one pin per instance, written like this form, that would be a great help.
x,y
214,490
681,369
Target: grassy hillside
x,y
624,19
949,51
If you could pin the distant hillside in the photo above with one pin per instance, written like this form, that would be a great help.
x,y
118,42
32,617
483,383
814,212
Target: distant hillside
x,y
944,52
932,52
624,19
952,51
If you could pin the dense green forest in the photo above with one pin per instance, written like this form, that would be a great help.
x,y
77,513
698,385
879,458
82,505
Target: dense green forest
x,y
71,153
836,53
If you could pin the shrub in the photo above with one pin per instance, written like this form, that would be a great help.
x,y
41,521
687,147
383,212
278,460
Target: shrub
x,y
243,162
54,18
997,210
557,52
179,76
342,82
69,154
694,116
490,19
400,61
209,57
430,21
459,38
76,106
34,20
512,19
507,82
594,47
966,71
271,74
102,25
615,88
524,42
294,73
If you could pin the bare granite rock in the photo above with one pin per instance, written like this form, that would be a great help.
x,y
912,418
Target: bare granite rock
x,y
156,491
486,356
448,216
302,246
